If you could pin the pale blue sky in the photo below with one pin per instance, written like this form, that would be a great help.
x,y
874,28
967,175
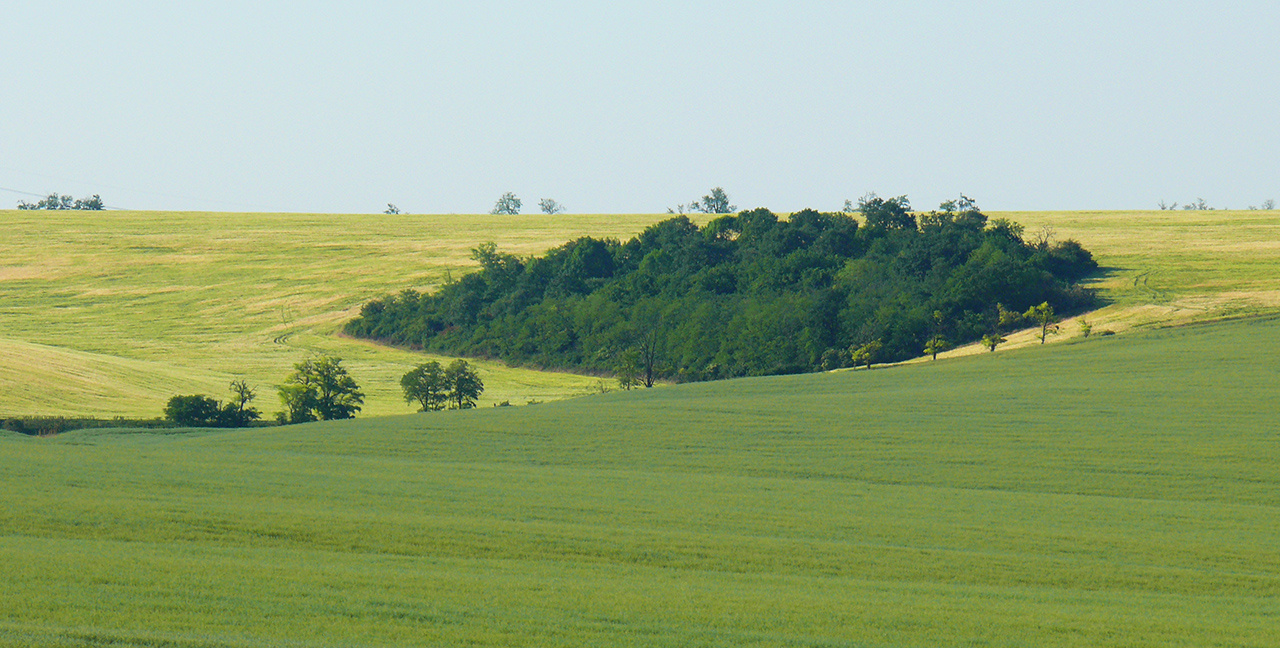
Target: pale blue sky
x,y
634,107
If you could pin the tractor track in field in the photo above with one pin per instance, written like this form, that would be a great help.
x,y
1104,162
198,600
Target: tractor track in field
x,y
1142,282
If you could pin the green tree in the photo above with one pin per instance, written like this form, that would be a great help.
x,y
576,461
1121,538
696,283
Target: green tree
x,y
299,404
866,354
629,369
1044,317
990,341
507,204
1007,320
716,202
426,385
392,209
321,388
193,411
936,344
1085,327
887,213
237,412
550,206
59,202
464,385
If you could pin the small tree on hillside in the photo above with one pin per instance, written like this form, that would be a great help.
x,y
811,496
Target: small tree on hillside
x,y
1044,317
464,385
991,340
866,354
392,209
426,384
507,205
1085,327
937,343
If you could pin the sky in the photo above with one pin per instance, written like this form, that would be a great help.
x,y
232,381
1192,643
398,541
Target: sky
x,y
624,107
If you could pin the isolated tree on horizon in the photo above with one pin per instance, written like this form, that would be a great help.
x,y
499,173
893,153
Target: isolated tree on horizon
x,y
426,384
392,209
716,202
550,206
508,205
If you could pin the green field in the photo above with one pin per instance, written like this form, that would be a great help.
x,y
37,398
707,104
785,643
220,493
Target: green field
x,y
1110,491
111,313
1115,491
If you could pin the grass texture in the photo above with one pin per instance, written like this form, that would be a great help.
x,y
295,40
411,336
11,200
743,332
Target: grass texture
x,y
1116,491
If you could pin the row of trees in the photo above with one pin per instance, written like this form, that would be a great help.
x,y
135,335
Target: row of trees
x,y
746,294
321,389
59,202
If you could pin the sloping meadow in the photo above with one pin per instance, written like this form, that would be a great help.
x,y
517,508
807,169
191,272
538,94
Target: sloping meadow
x,y
1116,491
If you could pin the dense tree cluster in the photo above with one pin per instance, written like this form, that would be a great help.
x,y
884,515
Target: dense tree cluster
x,y
747,294
199,410
319,389
457,386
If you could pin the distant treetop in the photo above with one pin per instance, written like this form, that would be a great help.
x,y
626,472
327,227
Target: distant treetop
x,y
60,202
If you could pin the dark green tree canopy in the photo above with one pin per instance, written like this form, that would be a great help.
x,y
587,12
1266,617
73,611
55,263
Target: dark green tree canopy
x,y
425,384
193,411
463,383
320,389
746,294
716,202
202,411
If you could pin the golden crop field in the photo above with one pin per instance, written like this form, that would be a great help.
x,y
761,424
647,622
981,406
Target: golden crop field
x,y
111,313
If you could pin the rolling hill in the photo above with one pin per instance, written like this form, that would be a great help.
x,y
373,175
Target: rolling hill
x,y
111,313
1115,491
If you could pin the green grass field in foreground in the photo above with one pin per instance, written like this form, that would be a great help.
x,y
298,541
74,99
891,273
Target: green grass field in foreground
x,y
1116,491
111,313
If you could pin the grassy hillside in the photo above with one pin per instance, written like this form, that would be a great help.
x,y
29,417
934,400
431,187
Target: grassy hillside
x,y
111,313
1115,491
